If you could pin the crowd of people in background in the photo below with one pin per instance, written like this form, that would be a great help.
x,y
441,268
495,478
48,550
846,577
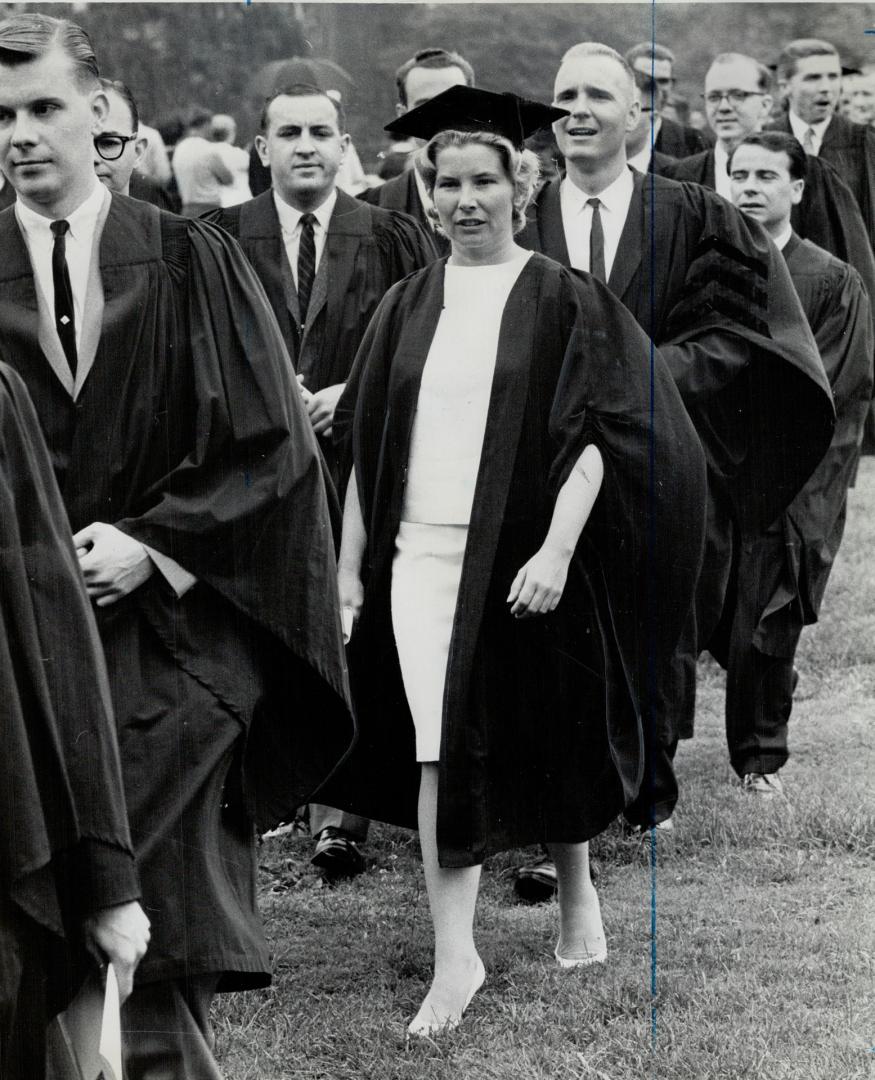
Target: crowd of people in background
x,y
411,495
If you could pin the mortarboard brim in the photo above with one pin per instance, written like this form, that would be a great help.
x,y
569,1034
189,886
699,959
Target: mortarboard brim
x,y
465,108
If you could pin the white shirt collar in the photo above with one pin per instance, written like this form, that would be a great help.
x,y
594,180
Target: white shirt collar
x,y
82,221
722,183
783,238
615,198
641,160
799,127
290,218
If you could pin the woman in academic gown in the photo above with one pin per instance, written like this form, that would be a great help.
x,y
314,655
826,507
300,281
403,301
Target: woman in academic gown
x,y
521,537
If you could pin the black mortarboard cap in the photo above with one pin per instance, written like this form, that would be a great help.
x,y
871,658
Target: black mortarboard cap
x,y
465,108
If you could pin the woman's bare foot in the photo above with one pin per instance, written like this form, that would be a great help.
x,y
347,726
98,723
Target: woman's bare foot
x,y
581,933
450,994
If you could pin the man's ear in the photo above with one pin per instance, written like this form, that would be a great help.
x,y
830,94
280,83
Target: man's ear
x,y
796,190
262,151
99,110
344,142
140,149
400,109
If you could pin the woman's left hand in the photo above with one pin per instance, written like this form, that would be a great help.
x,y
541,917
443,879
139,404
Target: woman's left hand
x,y
538,587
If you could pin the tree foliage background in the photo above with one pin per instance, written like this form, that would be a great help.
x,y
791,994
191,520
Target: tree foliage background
x,y
177,54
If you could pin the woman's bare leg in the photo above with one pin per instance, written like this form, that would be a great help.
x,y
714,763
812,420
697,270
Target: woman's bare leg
x,y
452,897
581,934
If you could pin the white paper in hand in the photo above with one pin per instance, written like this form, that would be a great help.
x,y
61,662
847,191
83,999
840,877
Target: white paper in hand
x,y
347,616
111,1029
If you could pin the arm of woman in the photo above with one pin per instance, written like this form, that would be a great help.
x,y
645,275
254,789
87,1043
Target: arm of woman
x,y
349,563
538,587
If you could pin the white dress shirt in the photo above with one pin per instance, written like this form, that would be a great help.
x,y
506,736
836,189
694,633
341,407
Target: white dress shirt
x,y
80,240
799,127
722,183
290,225
40,241
577,218
783,238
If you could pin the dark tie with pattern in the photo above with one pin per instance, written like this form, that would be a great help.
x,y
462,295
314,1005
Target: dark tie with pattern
x,y
65,321
306,263
596,242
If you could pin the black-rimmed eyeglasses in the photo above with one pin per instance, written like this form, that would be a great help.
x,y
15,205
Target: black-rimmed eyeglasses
x,y
734,97
111,147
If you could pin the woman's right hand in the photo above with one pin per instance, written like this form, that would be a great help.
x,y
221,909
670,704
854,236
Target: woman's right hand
x,y
352,594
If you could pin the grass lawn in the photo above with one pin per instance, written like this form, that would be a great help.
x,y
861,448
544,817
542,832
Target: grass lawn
x,y
765,919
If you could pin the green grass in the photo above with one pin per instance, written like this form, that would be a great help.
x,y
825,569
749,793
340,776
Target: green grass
x,y
765,919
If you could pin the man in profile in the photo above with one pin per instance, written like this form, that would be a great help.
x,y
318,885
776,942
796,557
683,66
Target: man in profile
x,y
197,494
783,570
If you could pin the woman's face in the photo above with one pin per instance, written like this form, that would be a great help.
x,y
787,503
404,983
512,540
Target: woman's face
x,y
474,200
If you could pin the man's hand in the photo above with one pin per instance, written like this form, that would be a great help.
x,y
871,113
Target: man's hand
x,y
119,936
112,563
321,406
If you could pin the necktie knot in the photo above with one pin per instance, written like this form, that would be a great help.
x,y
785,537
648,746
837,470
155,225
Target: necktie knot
x,y
60,228
308,221
594,203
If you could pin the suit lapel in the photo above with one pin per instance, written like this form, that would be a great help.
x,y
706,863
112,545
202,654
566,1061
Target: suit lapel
x,y
632,238
350,223
550,227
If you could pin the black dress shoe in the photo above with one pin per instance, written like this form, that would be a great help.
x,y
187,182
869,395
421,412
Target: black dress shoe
x,y
336,855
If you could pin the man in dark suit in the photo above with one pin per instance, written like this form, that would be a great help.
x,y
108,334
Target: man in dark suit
x,y
325,260
419,79
696,277
676,140
640,152
783,570
809,77
737,102
7,193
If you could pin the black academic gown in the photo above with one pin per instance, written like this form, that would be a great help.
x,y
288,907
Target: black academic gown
x,y
850,149
828,214
714,295
839,312
187,436
366,250
401,193
680,140
65,847
541,731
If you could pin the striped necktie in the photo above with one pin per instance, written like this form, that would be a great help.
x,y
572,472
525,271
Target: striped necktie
x,y
306,263
596,242
65,319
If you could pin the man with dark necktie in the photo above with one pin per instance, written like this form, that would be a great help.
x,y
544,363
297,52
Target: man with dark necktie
x,y
325,260
198,497
695,275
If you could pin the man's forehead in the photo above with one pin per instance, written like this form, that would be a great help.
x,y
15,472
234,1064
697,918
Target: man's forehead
x,y
425,82
595,70
733,73
818,65
300,111
760,159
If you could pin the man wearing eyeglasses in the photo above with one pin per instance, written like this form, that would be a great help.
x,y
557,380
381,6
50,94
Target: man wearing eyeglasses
x,y
737,101
670,137
120,147
714,296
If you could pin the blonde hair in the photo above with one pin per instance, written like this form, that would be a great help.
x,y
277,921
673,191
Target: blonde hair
x,y
521,167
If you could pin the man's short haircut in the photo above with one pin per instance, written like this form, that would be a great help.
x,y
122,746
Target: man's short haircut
x,y
764,76
301,90
30,35
797,50
778,142
431,58
649,49
595,48
649,89
124,92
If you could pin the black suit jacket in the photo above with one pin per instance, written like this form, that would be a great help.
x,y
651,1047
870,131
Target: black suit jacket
x,y
401,193
678,140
